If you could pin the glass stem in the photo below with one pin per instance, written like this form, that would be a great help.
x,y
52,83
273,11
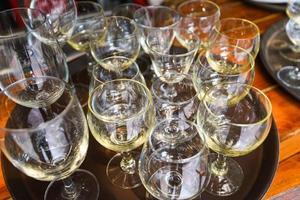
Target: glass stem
x,y
128,163
219,166
70,190
91,63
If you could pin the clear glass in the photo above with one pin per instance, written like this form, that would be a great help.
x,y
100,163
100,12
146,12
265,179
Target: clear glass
x,y
61,14
238,32
182,103
172,55
121,41
200,17
158,20
173,162
120,116
45,135
126,10
101,75
23,54
290,74
222,63
235,119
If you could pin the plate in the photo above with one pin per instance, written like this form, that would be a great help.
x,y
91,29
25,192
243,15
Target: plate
x,y
272,41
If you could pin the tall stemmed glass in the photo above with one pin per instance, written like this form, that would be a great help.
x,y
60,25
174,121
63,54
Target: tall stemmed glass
x,y
45,135
23,52
290,75
120,116
200,17
121,41
235,119
173,162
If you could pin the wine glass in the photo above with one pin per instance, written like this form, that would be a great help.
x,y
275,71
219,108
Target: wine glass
x,y
61,14
45,135
121,41
238,32
120,116
101,75
235,119
126,10
23,54
173,162
290,75
183,103
222,63
200,16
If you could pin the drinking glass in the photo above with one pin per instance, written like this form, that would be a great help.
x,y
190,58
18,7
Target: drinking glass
x,y
126,10
238,32
173,162
45,135
182,103
158,20
101,75
23,53
290,74
200,16
235,119
222,63
120,116
172,56
120,41
61,14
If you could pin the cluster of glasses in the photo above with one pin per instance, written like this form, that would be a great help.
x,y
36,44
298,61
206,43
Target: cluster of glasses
x,y
200,98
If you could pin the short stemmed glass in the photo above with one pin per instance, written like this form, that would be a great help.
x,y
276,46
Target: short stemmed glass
x,y
120,116
290,75
200,17
45,135
183,103
235,119
222,63
126,10
173,162
121,41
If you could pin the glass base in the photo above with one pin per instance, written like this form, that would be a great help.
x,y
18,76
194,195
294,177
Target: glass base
x,y
290,76
121,178
290,54
85,184
226,183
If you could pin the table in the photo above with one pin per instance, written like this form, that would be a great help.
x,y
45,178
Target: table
x,y
286,109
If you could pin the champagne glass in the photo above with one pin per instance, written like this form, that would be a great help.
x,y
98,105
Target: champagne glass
x,y
238,32
200,16
121,41
126,10
222,63
45,135
23,54
183,103
290,75
173,162
232,127
101,75
61,14
120,116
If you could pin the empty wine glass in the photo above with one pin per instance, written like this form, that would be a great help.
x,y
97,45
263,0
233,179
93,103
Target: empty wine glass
x,y
120,116
61,14
173,162
126,10
222,63
235,119
200,17
45,135
23,54
183,103
238,32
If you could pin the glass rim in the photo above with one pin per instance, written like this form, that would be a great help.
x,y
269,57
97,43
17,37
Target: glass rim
x,y
199,133
90,2
184,3
157,7
99,87
43,124
125,5
219,24
250,87
186,76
